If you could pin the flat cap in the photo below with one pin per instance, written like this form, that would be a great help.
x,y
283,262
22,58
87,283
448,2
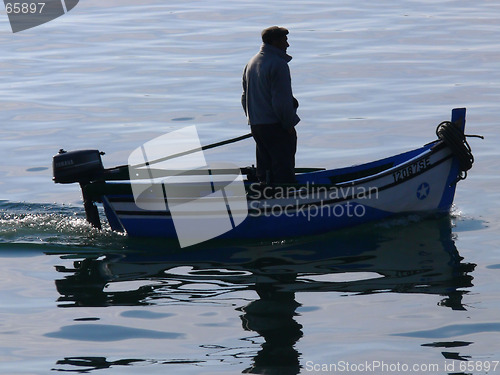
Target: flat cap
x,y
273,33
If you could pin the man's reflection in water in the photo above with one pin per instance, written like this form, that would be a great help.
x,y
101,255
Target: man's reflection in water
x,y
272,317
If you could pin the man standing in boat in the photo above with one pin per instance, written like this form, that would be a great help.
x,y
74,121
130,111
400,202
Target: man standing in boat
x,y
270,107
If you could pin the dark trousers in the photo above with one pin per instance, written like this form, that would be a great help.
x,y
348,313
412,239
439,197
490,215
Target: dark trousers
x,y
276,149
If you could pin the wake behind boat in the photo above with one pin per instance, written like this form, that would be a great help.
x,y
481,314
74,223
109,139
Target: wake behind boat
x,y
196,205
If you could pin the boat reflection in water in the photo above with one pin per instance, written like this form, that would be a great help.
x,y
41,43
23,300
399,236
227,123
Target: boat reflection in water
x,y
418,257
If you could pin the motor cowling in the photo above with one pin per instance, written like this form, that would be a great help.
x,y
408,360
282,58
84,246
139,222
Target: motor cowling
x,y
77,166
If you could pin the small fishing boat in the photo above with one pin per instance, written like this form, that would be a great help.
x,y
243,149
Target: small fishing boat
x,y
195,205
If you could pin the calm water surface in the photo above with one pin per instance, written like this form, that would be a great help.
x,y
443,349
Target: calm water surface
x,y
372,78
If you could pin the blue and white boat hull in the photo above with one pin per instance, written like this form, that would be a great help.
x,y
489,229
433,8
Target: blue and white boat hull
x,y
418,181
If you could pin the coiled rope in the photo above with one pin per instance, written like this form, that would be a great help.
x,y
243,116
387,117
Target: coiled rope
x,y
453,136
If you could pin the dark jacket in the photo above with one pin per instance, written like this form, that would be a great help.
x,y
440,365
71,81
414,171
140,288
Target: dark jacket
x,y
267,89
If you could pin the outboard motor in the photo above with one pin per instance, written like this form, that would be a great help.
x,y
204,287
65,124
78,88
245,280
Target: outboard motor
x,y
77,166
82,166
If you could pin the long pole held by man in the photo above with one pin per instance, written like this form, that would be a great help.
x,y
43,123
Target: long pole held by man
x,y
270,107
